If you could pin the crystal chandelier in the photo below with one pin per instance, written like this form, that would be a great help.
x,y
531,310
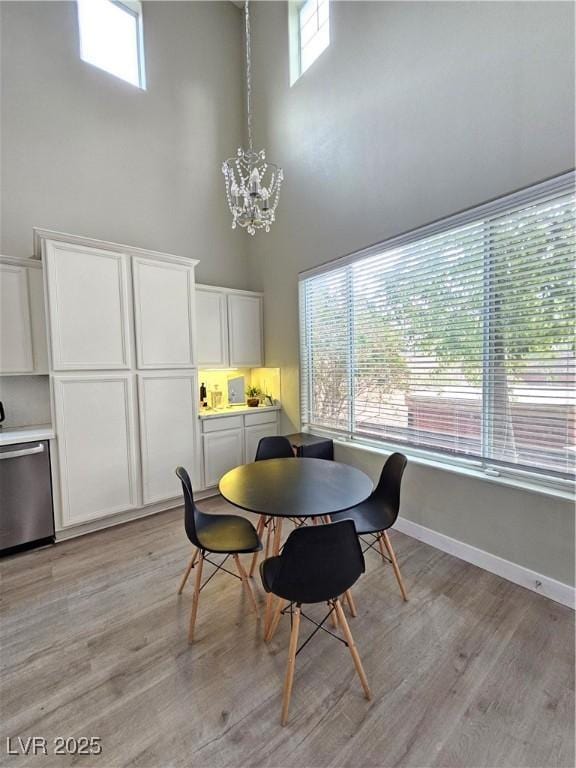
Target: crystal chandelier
x,y
252,183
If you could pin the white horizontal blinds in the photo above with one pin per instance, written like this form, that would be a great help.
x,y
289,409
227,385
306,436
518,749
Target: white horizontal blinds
x,y
532,371
459,342
325,351
418,342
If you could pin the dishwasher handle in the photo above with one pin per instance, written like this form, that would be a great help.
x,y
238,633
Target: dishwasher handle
x,y
24,452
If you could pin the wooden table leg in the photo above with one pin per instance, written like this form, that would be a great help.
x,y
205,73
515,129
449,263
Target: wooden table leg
x,y
277,523
259,531
246,583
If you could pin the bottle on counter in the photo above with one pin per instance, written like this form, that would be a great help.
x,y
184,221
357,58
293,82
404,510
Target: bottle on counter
x,y
203,396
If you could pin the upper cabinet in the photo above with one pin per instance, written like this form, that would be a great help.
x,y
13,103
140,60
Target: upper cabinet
x,y
229,328
89,307
212,328
164,313
245,330
116,307
22,321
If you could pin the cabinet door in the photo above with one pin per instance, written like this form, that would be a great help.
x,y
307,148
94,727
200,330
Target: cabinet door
x,y
168,426
38,317
16,351
89,307
211,329
252,436
95,430
245,330
164,311
222,452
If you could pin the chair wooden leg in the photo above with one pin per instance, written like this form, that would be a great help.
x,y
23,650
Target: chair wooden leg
x,y
196,598
388,545
280,602
246,583
350,601
353,650
187,571
289,679
259,531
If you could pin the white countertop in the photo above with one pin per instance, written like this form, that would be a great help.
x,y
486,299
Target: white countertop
x,y
231,410
13,435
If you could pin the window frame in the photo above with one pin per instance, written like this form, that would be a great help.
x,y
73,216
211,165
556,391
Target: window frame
x,y
295,40
477,466
134,9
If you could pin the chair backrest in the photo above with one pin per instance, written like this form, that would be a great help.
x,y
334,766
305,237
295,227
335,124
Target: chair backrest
x,y
274,447
388,489
319,563
191,513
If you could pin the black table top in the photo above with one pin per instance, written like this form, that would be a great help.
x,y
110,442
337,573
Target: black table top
x,y
295,487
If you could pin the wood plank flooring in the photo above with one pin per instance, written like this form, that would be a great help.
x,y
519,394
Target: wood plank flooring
x,y
473,671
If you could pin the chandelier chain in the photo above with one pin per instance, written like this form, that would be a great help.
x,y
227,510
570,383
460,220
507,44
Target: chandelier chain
x,y
252,182
248,74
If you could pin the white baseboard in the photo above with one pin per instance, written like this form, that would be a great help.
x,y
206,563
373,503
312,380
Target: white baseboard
x,y
537,582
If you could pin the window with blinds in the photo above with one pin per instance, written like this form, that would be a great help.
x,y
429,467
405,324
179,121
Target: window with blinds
x,y
457,339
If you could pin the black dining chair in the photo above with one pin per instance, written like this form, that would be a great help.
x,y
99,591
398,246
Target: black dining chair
x,y
271,447
231,535
379,512
317,565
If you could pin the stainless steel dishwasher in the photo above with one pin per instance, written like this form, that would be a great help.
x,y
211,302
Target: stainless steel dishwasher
x,y
26,514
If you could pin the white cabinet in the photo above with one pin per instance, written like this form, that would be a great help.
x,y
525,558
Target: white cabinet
x,y
89,307
167,406
22,322
223,451
164,312
253,435
16,351
232,439
212,329
120,431
229,328
245,330
96,435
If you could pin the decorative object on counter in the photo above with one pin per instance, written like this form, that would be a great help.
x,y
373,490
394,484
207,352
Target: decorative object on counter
x,y
216,397
253,396
236,391
203,396
2,413
252,183
268,400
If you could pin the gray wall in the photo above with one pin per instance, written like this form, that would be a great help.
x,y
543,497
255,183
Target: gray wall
x,y
86,153
415,111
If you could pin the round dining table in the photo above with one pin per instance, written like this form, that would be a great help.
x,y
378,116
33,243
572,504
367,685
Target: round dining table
x,y
295,488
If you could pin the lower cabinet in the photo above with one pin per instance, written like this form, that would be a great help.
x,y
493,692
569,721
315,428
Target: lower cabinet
x,y
223,451
97,450
253,435
167,405
231,440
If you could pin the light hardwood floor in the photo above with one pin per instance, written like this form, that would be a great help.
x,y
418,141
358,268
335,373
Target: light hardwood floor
x,y
472,671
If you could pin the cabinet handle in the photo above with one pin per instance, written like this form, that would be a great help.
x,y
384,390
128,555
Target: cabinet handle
x,y
24,452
